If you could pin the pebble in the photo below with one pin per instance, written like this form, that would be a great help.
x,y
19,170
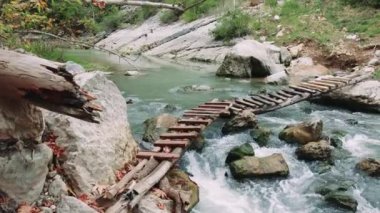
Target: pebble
x,y
276,17
377,54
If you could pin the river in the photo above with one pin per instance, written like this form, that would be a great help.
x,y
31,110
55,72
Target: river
x,y
219,193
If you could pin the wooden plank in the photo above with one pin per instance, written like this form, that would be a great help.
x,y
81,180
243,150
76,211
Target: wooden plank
x,y
196,115
316,87
293,92
197,128
253,102
339,79
172,143
203,112
218,103
212,106
210,109
278,96
270,99
195,121
235,110
257,98
280,92
179,135
332,82
157,155
302,89
330,86
246,103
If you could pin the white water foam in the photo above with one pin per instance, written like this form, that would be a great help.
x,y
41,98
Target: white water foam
x,y
361,146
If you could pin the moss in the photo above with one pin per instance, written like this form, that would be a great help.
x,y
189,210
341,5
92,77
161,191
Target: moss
x,y
239,152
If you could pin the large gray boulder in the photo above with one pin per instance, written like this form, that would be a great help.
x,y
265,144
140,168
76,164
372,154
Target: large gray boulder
x,y
71,204
240,122
23,173
302,69
251,59
363,97
158,125
250,167
302,133
314,151
93,152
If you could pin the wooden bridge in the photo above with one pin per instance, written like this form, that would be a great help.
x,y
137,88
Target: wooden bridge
x,y
153,165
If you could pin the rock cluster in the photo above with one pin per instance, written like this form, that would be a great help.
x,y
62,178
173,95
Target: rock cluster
x,y
243,121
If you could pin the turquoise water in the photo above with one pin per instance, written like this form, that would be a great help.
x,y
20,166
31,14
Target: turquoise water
x,y
218,193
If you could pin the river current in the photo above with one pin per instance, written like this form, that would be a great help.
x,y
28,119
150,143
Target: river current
x,y
219,193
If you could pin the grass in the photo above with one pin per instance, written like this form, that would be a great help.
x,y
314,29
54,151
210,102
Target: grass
x,y
323,21
376,75
234,24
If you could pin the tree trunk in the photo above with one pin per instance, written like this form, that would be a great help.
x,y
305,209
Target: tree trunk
x,y
142,3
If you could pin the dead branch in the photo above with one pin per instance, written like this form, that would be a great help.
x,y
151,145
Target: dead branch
x,y
172,193
142,3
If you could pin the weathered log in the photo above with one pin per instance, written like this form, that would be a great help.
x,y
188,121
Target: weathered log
x,y
171,193
45,84
141,3
152,163
112,191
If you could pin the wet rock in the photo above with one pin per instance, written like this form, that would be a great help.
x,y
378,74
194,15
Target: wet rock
x,y
196,88
370,166
240,122
261,135
158,125
148,204
58,187
342,199
314,151
295,51
238,152
286,56
93,152
74,68
23,173
304,68
188,189
250,59
341,186
302,133
71,204
280,78
362,97
169,108
352,122
133,73
46,210
7,204
250,167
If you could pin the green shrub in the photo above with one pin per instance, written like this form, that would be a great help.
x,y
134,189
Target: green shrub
x,y
112,21
168,16
232,25
141,14
271,3
365,3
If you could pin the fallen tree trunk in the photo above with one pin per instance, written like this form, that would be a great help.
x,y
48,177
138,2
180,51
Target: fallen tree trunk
x,y
172,193
141,3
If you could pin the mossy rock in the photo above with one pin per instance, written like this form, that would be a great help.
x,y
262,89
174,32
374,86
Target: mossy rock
x,y
180,180
341,186
238,152
342,199
261,135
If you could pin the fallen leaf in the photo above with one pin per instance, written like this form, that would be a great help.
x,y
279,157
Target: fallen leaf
x,y
160,206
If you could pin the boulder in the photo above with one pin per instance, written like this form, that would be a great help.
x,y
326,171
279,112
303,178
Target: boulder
x,y
158,125
370,166
188,189
250,167
304,68
250,59
362,97
314,151
23,173
341,186
342,199
302,133
261,135
295,51
149,202
280,78
93,152
286,56
71,204
240,122
58,187
238,152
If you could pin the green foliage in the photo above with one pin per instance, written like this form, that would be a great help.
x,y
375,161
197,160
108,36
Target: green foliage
x,y
60,17
198,11
361,3
141,14
271,3
377,75
232,25
168,16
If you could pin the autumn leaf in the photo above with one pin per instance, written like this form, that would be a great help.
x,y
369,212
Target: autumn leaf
x,y
161,206
25,208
